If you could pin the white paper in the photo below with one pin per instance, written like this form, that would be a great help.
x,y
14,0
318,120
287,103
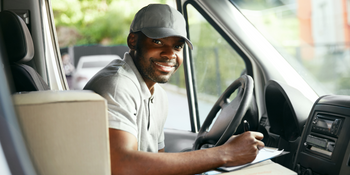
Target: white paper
x,y
264,154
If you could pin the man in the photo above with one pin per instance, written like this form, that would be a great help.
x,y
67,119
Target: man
x,y
137,105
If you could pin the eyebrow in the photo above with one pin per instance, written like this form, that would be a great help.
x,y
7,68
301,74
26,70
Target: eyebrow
x,y
181,41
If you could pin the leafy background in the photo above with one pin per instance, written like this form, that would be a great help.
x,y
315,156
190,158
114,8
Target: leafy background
x,y
81,22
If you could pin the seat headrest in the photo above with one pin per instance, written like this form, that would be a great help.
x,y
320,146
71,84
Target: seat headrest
x,y
18,41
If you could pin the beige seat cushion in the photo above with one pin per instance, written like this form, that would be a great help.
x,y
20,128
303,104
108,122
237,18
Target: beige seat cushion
x,y
66,131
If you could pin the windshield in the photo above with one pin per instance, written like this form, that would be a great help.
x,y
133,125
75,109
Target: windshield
x,y
313,36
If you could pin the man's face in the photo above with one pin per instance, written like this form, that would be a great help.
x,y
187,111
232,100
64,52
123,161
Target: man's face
x,y
158,59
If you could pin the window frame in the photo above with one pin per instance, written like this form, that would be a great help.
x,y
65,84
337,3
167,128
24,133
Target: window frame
x,y
54,66
188,60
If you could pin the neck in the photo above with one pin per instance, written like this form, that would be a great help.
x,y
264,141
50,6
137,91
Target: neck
x,y
151,89
150,83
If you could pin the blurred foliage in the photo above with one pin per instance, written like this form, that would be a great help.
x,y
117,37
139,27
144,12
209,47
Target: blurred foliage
x,y
96,21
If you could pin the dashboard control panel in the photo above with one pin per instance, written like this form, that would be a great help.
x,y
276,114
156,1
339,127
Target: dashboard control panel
x,y
326,124
324,146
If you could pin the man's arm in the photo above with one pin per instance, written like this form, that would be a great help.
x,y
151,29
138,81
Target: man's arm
x,y
125,159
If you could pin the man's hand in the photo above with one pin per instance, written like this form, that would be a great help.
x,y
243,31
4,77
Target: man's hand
x,y
243,148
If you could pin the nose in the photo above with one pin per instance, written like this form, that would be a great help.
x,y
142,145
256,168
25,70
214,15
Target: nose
x,y
169,53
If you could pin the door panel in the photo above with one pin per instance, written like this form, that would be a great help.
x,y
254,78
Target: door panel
x,y
178,141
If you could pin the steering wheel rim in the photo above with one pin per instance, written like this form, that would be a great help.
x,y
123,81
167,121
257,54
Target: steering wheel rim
x,y
230,116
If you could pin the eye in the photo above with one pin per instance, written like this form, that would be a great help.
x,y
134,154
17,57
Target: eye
x,y
157,41
179,46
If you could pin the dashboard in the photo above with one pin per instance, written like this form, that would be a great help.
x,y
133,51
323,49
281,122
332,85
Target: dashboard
x,y
287,112
324,147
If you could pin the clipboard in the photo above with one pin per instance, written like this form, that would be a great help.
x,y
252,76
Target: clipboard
x,y
266,153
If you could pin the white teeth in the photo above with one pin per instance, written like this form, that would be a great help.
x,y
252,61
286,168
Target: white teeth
x,y
162,65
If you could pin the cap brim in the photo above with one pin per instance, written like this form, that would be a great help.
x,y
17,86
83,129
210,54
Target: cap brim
x,y
156,33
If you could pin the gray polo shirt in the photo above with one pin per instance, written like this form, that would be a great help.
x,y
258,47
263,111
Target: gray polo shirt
x,y
131,106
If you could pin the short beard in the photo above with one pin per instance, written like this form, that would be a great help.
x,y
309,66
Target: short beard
x,y
148,72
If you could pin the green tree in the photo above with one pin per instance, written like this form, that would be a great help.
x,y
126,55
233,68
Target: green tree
x,y
80,22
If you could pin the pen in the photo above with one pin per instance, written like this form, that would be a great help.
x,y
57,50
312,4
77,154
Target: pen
x,y
246,125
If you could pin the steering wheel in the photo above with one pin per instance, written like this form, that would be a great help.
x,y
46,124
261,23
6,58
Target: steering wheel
x,y
230,116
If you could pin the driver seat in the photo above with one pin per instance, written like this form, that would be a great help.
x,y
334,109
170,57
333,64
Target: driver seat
x,y
20,50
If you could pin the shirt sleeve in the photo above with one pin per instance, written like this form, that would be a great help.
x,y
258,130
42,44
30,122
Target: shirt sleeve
x,y
161,143
122,102
123,106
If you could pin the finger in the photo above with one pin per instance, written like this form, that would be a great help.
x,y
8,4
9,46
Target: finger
x,y
257,135
260,144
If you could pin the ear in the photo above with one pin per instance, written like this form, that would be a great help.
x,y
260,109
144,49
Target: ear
x,y
132,41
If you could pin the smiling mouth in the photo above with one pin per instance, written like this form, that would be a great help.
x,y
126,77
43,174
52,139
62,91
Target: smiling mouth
x,y
165,68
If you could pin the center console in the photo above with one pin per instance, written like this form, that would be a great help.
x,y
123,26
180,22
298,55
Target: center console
x,y
324,147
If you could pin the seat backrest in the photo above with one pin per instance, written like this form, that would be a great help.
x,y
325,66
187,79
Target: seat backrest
x,y
20,50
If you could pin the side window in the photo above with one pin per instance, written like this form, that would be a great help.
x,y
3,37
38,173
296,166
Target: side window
x,y
178,115
216,64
